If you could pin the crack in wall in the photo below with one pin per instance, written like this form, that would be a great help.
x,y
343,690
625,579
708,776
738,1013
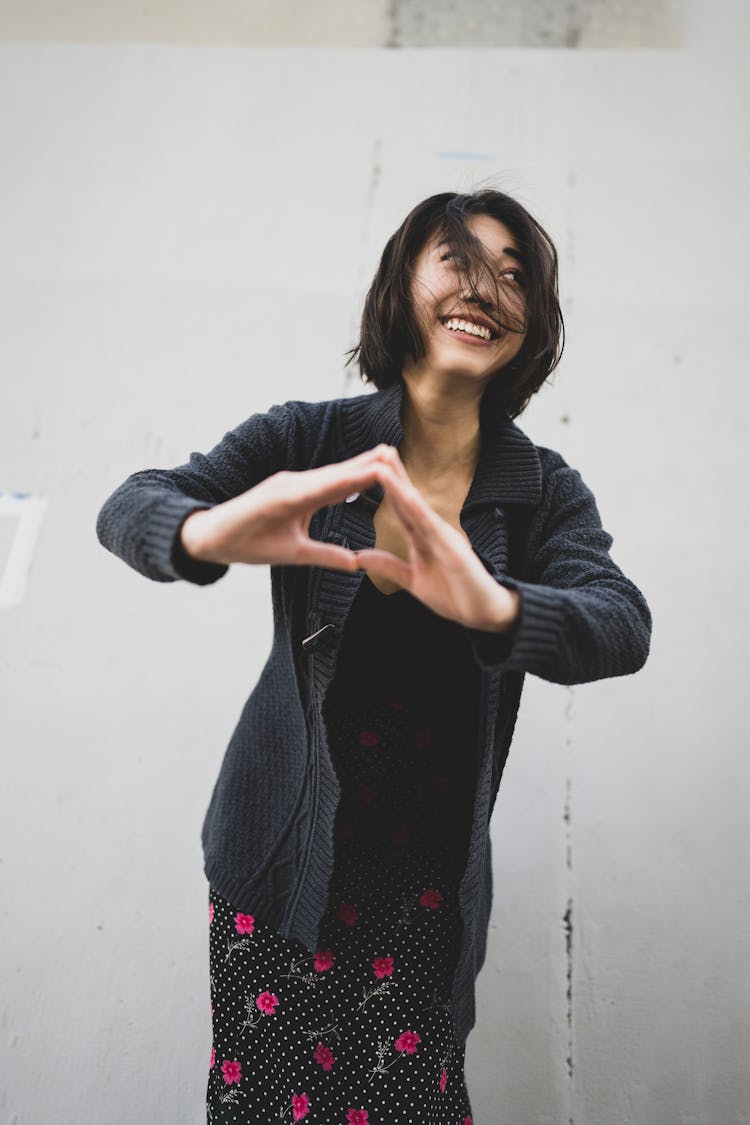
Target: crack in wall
x,y
568,929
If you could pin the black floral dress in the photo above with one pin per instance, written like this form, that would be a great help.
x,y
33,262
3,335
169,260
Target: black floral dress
x,y
360,1031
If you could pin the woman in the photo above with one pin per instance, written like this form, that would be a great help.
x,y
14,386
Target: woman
x,y
425,555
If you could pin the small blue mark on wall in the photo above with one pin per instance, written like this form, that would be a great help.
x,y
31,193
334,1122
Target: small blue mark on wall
x,y
21,514
460,155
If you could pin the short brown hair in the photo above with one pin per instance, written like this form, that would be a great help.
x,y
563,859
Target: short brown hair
x,y
389,332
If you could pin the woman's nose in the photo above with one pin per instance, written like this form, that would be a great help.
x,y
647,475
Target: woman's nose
x,y
481,291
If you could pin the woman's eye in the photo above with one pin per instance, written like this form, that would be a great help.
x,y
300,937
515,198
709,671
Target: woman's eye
x,y
512,275
446,256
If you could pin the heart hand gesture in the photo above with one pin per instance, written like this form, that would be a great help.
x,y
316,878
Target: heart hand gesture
x,y
269,523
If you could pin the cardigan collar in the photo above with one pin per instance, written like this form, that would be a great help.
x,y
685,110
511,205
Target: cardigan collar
x,y
508,469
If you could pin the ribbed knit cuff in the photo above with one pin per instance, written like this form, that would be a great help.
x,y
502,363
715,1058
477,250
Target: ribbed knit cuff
x,y
162,537
533,640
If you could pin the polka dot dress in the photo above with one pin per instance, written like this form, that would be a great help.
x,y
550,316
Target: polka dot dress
x,y
359,1031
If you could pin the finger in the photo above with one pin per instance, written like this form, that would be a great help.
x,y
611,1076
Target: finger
x,y
385,565
314,553
392,457
416,515
330,484
392,461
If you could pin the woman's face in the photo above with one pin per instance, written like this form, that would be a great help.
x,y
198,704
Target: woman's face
x,y
460,338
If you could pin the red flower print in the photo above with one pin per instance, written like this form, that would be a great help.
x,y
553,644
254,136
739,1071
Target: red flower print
x,y
346,913
423,738
431,898
407,1041
213,1058
383,967
324,1055
443,1080
369,738
401,836
467,1121
244,923
343,830
267,1002
357,1117
323,960
210,913
232,1071
212,1011
365,794
440,781
300,1106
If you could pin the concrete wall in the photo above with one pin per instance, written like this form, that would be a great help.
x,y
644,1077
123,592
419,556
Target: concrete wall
x,y
187,234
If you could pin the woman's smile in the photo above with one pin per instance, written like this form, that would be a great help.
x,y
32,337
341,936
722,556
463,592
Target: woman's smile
x,y
465,337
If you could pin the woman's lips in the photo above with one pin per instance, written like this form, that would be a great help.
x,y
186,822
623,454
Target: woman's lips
x,y
467,338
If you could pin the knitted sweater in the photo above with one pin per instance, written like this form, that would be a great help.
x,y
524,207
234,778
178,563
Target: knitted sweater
x,y
268,831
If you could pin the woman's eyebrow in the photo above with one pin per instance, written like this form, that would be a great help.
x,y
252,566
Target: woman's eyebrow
x,y
507,250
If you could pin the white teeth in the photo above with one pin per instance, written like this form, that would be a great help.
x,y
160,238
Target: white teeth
x,y
457,325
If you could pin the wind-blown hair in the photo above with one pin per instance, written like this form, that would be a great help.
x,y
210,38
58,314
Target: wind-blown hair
x,y
389,331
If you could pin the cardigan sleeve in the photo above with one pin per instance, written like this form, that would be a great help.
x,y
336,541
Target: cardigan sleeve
x,y
141,520
580,618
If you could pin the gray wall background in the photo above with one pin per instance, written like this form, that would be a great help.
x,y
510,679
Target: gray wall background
x,y
190,214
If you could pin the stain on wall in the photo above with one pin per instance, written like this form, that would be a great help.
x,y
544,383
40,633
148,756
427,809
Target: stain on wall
x,y
535,23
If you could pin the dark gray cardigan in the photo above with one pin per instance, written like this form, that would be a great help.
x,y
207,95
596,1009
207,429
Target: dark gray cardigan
x,y
268,831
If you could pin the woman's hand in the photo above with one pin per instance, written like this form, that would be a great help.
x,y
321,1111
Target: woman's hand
x,y
270,522
442,570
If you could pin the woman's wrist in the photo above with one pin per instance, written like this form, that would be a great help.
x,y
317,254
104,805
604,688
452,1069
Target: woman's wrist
x,y
194,537
505,609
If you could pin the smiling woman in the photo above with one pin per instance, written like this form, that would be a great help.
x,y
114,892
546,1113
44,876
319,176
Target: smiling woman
x,y
478,259
346,843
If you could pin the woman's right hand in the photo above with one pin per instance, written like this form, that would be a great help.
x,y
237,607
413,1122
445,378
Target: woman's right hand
x,y
270,522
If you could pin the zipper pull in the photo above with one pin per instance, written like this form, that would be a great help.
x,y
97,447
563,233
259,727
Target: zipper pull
x,y
308,642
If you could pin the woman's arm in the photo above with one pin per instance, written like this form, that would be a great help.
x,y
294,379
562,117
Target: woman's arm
x,y
580,619
142,519
252,497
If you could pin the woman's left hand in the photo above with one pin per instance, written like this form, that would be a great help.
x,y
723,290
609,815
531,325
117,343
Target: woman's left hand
x,y
442,570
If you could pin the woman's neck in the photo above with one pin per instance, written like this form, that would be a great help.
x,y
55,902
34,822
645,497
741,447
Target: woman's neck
x,y
441,431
